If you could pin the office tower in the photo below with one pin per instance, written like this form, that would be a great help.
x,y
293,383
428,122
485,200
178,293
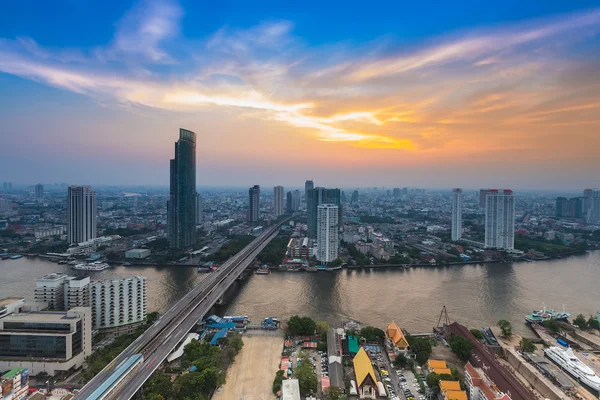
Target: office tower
x,y
308,186
46,341
39,191
289,204
457,201
594,212
588,194
181,207
569,208
319,196
254,204
296,199
500,219
396,192
198,209
81,214
118,302
327,232
278,200
343,198
354,197
482,194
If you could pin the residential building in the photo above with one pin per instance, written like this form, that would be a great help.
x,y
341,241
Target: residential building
x,y
457,202
396,193
47,232
6,205
366,382
290,389
118,303
594,211
76,290
137,253
289,208
278,200
39,191
254,204
588,194
311,210
296,197
354,197
500,219
182,203
50,289
48,342
81,214
199,216
14,384
317,197
327,232
482,195
569,208
480,386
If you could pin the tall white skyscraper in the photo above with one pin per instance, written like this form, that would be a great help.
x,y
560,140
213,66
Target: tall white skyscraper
x,y
457,202
81,214
500,219
278,200
327,232
198,209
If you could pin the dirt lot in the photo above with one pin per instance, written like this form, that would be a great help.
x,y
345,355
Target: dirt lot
x,y
251,376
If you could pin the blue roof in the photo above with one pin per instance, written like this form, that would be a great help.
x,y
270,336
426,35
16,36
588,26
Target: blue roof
x,y
223,325
221,334
107,384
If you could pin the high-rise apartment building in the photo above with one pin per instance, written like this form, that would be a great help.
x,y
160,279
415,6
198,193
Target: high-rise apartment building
x,y
569,208
289,203
296,199
319,196
278,200
50,289
181,207
39,191
81,214
457,201
327,232
588,194
594,212
118,302
396,192
6,205
199,215
500,219
254,204
354,197
482,194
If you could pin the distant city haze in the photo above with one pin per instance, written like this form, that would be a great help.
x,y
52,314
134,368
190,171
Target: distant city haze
x,y
394,95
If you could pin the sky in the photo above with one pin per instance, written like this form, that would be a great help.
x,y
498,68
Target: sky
x,y
425,94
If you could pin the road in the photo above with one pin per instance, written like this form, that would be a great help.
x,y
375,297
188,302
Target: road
x,y
164,335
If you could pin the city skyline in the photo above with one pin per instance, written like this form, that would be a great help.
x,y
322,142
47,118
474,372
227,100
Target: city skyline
x,y
447,96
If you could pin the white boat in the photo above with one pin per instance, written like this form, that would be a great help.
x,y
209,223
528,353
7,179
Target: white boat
x,y
95,266
568,361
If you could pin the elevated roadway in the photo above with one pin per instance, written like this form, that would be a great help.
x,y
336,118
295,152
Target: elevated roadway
x,y
163,336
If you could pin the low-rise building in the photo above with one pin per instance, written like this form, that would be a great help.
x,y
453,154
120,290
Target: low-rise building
x,y
480,386
450,390
365,376
137,253
47,342
396,339
11,305
438,367
14,384
290,389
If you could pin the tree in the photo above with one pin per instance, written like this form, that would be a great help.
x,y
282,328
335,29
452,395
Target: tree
x,y
593,323
301,326
279,377
400,361
552,326
433,380
477,333
505,327
159,386
422,357
580,321
461,346
332,393
372,334
322,327
307,379
527,346
420,345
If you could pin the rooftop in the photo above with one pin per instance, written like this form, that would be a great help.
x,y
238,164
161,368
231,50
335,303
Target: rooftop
x,y
55,276
40,316
12,373
363,368
9,300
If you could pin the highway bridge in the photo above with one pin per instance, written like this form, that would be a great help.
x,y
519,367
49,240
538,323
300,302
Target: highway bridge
x,y
162,337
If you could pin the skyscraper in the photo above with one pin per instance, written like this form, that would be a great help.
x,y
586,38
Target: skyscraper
x,y
181,207
318,196
457,201
595,209
289,206
354,197
278,200
500,219
482,194
588,194
296,198
308,185
569,208
39,191
81,214
198,209
327,232
254,204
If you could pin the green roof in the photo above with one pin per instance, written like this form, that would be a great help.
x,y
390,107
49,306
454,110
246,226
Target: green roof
x,y
12,373
352,344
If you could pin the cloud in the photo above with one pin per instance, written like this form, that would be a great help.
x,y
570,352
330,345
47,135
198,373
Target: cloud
x,y
440,97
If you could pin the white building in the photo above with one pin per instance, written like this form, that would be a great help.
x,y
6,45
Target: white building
x,y
47,232
327,232
137,253
11,305
50,289
500,219
278,200
76,290
45,341
81,214
118,302
457,202
290,389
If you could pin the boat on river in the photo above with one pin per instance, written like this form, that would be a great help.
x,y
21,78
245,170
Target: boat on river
x,y
546,314
94,266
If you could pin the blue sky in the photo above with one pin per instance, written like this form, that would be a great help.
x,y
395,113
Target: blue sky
x,y
388,93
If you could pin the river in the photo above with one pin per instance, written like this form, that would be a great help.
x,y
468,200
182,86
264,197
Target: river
x,y
475,295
